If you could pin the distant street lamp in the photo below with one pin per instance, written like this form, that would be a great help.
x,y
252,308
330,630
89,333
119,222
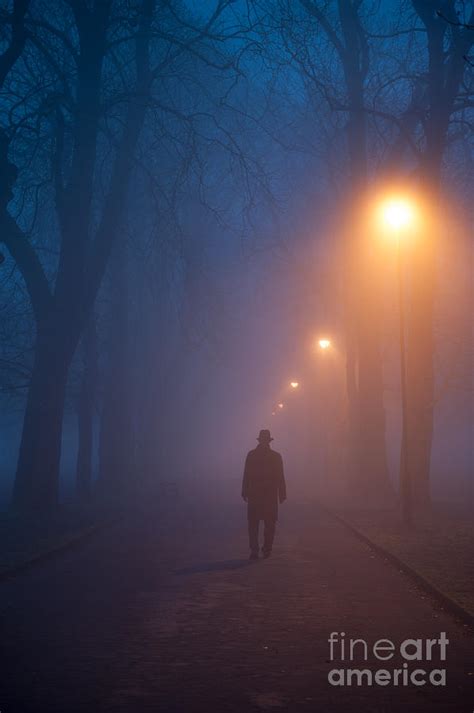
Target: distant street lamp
x,y
280,405
294,384
398,214
323,394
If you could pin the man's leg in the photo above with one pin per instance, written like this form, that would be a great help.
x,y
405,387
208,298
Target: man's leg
x,y
268,535
253,533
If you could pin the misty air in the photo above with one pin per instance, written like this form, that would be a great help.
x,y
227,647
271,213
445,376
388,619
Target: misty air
x,y
236,356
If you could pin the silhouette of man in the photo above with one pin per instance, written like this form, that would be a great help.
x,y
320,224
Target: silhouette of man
x,y
263,486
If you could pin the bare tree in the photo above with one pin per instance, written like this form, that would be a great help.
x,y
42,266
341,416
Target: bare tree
x,y
446,48
87,77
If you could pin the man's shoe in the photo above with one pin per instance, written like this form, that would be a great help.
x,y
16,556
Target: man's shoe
x,y
253,556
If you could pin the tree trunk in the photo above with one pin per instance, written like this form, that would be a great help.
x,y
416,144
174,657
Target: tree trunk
x,y
85,416
364,374
116,442
37,477
421,348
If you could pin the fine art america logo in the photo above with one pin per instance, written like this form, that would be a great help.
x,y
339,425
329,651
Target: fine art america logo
x,y
416,659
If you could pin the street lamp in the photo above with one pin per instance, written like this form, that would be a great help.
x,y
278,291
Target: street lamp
x,y
294,384
324,343
280,405
398,214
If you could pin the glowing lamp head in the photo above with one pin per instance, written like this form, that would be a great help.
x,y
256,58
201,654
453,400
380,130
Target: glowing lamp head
x,y
280,405
324,343
294,384
397,213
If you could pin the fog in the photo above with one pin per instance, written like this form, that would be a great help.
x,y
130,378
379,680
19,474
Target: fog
x,y
176,246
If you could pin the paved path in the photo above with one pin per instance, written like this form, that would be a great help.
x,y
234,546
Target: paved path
x,y
166,615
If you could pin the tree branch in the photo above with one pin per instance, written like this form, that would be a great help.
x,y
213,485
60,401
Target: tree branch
x,y
18,39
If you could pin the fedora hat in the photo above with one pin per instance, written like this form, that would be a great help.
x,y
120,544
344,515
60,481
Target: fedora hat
x,y
264,436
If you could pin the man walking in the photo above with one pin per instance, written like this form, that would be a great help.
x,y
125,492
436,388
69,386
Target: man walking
x,y
263,486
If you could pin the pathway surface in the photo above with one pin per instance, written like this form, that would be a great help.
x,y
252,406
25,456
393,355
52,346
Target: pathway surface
x,y
165,614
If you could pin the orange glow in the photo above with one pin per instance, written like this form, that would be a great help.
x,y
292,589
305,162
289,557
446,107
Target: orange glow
x,y
324,343
397,213
294,384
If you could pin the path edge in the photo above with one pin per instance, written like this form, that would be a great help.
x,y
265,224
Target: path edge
x,y
42,556
449,604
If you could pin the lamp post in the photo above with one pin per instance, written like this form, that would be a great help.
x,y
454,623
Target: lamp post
x,y
398,215
324,395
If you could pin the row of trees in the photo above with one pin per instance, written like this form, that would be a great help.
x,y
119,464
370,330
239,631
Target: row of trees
x,y
136,134
394,86
88,91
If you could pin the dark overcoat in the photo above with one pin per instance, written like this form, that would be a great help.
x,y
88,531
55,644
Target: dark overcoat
x,y
263,483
